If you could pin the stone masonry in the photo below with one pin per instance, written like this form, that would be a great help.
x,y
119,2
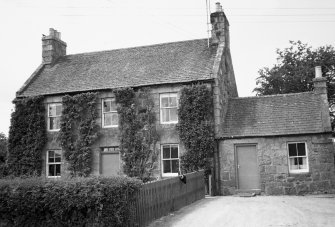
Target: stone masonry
x,y
224,86
272,160
109,137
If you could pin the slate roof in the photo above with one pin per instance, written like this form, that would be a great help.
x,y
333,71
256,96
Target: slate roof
x,y
272,115
176,62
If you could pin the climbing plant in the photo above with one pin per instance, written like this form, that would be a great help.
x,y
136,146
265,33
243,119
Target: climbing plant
x,y
195,128
138,135
27,137
78,131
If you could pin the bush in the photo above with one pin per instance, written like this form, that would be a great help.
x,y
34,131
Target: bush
x,y
3,170
98,201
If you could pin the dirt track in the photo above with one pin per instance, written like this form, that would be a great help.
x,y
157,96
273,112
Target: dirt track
x,y
318,210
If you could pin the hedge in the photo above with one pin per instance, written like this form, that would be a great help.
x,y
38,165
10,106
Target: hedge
x,y
98,201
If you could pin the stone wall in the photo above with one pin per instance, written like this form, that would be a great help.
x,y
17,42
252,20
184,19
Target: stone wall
x,y
224,87
272,154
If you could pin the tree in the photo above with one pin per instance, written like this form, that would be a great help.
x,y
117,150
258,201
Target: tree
x,y
3,147
294,72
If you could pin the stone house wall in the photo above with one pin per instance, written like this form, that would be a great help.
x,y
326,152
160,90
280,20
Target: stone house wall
x,y
224,87
109,136
272,155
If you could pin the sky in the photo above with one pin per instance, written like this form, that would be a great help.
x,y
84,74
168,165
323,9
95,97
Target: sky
x,y
257,29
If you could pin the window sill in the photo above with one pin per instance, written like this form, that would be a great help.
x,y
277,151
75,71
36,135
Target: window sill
x,y
53,177
114,126
169,123
299,173
168,175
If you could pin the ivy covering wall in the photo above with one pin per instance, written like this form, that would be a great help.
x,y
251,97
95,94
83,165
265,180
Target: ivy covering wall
x,y
195,128
138,135
27,137
79,131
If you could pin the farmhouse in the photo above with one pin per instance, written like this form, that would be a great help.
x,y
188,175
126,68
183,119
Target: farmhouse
x,y
274,144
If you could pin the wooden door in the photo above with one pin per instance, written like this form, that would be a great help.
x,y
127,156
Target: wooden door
x,y
247,167
110,163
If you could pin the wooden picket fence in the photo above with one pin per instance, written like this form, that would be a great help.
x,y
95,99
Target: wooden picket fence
x,y
159,198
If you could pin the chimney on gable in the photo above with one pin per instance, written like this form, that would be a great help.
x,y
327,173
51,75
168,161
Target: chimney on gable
x,y
52,47
320,89
320,83
220,26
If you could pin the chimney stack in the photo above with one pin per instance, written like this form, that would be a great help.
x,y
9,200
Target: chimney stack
x,y
220,26
320,89
52,47
320,83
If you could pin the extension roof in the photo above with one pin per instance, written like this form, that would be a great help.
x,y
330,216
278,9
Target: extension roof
x,y
177,62
273,115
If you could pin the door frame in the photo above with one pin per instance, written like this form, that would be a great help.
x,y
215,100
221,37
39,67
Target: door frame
x,y
236,161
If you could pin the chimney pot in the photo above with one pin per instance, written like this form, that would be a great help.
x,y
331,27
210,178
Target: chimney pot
x,y
52,32
218,7
318,72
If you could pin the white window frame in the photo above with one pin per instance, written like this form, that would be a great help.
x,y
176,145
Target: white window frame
x,y
290,157
56,116
53,163
103,113
162,161
164,95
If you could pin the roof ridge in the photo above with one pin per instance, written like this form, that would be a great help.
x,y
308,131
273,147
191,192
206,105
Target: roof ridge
x,y
277,95
134,47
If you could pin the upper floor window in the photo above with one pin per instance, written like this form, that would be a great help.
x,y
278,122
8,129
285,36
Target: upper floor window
x,y
298,160
168,108
54,163
109,113
170,160
54,115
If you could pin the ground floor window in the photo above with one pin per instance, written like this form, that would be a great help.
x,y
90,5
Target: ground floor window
x,y
298,160
54,163
170,159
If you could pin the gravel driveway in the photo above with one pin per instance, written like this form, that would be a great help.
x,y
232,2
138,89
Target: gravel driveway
x,y
311,210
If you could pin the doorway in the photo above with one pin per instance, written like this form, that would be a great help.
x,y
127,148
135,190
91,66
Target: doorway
x,y
110,161
247,168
